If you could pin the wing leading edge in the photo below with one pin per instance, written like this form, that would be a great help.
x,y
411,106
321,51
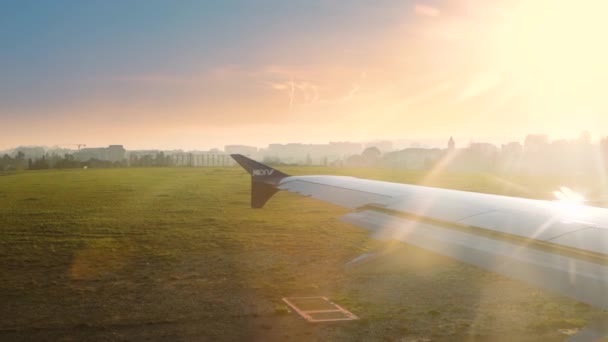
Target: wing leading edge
x,y
551,245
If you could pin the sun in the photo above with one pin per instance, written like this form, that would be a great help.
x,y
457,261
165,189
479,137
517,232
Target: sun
x,y
556,50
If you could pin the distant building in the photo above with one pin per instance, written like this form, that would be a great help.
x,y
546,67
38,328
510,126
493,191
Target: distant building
x,y
141,153
317,154
413,158
200,159
142,157
32,152
89,153
113,153
513,148
536,142
483,149
116,153
451,144
241,149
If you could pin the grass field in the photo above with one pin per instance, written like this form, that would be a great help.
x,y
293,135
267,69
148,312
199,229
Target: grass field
x,y
177,254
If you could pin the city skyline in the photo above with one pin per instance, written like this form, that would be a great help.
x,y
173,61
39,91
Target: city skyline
x,y
385,145
197,75
397,144
537,154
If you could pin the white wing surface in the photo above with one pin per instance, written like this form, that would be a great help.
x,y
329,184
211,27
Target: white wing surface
x,y
558,246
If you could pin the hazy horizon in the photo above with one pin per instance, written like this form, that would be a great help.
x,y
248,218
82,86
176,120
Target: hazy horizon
x,y
426,142
198,75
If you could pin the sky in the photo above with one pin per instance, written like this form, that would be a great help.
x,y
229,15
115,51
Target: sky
x,y
202,74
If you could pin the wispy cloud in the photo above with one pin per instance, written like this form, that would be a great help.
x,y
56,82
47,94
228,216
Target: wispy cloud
x,y
355,89
424,10
351,94
298,92
292,94
305,86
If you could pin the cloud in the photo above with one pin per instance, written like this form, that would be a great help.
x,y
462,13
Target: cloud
x,y
356,87
315,90
292,94
299,92
426,10
351,94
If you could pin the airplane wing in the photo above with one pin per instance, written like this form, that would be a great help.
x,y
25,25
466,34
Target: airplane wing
x,y
554,245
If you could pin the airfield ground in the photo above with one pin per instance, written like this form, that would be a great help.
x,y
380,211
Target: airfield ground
x,y
177,254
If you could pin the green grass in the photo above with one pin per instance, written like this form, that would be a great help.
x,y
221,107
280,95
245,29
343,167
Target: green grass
x,y
177,254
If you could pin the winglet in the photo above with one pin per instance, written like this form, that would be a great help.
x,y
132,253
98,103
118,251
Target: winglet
x,y
264,179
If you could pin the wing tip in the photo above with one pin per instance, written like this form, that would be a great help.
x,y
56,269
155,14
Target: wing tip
x,y
264,179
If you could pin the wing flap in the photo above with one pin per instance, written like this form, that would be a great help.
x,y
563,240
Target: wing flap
x,y
583,280
592,239
524,224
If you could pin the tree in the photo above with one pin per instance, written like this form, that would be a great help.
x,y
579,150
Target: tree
x,y
40,164
371,156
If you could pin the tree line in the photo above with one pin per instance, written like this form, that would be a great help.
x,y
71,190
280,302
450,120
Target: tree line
x,y
53,161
